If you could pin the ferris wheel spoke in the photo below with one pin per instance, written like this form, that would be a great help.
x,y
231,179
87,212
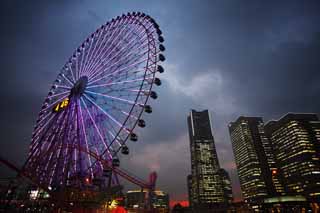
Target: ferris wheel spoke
x,y
111,69
69,68
67,79
76,66
129,93
83,60
62,133
113,47
95,58
92,81
82,53
110,127
113,107
84,133
130,74
92,58
96,127
116,139
110,45
57,94
107,114
36,147
101,166
43,118
110,97
135,72
56,135
37,151
37,132
123,51
117,83
126,58
69,142
110,52
88,53
138,77
97,41
64,87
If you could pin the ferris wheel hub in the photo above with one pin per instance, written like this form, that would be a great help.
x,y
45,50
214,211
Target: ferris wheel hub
x,y
79,87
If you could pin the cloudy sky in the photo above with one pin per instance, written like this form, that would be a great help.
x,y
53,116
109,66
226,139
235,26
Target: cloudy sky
x,y
233,57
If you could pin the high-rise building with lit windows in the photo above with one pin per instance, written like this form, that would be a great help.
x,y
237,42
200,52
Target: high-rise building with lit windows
x,y
295,141
226,184
190,193
254,159
205,182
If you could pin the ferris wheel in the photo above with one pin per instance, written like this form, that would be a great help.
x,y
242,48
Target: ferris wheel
x,y
96,102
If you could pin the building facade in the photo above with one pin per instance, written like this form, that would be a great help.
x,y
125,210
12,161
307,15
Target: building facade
x,y
226,184
205,183
295,140
254,159
190,193
137,201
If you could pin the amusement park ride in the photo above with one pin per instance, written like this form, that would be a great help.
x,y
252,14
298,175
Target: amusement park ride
x,y
92,110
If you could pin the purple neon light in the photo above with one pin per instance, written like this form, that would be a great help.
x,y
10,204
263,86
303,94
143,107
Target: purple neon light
x,y
97,129
85,135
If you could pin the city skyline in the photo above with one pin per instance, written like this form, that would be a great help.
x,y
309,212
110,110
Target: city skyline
x,y
258,59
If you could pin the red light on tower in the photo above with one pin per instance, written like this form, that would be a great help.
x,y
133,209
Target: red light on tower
x,y
274,172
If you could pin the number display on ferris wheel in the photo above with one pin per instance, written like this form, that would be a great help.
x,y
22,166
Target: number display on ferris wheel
x,y
96,101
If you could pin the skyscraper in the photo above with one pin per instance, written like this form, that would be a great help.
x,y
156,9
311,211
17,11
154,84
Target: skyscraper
x,y
295,140
190,193
226,184
206,184
254,159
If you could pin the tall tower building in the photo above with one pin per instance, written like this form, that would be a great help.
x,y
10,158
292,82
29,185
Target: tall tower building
x,y
254,159
295,140
226,184
190,193
206,184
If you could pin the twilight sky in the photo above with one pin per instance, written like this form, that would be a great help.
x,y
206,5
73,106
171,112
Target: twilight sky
x,y
233,57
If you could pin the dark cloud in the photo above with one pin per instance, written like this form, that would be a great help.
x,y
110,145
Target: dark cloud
x,y
257,58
